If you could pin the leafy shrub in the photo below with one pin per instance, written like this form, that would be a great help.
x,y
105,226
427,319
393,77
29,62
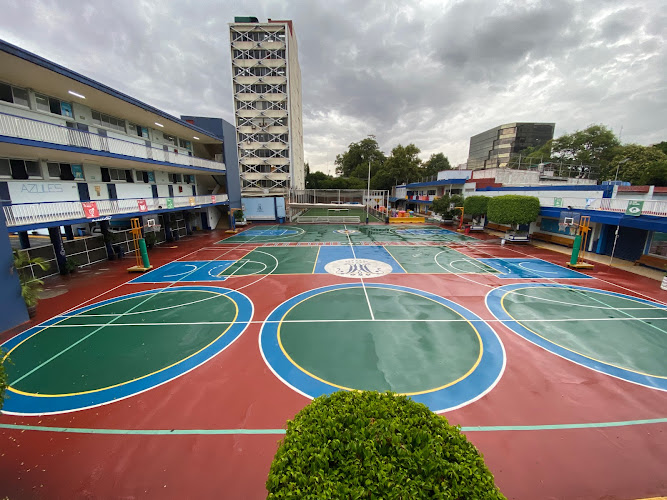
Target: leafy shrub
x,y
238,215
3,377
476,205
373,445
513,209
441,205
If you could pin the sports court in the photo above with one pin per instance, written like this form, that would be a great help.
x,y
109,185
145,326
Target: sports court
x,y
201,361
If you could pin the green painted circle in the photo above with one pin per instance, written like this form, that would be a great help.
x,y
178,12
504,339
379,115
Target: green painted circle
x,y
413,345
88,351
615,330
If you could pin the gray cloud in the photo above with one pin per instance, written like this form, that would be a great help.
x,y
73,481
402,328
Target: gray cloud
x,y
429,72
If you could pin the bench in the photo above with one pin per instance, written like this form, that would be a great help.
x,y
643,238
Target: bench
x,y
497,227
653,261
553,238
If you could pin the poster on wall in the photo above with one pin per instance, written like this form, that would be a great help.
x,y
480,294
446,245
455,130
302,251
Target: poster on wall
x,y
212,198
151,177
77,172
634,208
259,208
170,203
90,209
191,199
142,205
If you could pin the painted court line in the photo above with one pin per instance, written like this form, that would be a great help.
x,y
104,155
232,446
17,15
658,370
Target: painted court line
x,y
362,279
198,432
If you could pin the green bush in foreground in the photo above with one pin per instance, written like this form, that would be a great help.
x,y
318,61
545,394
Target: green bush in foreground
x,y
372,445
476,205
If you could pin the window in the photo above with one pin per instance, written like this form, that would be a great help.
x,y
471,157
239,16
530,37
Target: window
x,y
20,169
658,244
184,144
170,139
53,105
145,176
108,121
115,174
54,170
14,95
141,131
175,178
5,168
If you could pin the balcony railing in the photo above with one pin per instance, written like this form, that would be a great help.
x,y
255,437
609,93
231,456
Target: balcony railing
x,y
27,128
37,213
650,207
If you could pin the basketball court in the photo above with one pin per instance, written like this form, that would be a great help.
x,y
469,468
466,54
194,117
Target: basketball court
x,y
181,379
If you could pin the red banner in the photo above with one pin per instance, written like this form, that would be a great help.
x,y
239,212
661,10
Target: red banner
x,y
90,209
212,198
142,205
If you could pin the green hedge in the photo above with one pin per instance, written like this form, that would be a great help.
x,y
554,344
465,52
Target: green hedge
x,y
373,445
441,205
476,205
513,209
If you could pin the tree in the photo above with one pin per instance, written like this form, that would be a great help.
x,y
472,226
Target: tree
x,y
513,209
638,165
363,444
476,205
354,162
404,163
436,163
441,205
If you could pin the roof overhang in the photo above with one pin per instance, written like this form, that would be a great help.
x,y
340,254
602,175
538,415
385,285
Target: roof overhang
x,y
25,69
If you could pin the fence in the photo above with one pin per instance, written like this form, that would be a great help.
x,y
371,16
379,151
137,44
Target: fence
x,y
33,271
87,250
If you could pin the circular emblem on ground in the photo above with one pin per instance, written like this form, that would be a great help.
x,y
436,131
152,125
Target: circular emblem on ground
x,y
358,268
608,332
119,347
346,231
382,337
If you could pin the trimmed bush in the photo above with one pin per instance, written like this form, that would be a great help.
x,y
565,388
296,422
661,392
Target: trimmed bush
x,y
441,205
376,445
476,205
513,209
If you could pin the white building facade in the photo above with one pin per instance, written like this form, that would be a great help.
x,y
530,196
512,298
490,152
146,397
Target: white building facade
x,y
266,80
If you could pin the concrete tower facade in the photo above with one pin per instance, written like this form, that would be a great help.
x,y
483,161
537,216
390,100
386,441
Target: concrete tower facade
x,y
266,81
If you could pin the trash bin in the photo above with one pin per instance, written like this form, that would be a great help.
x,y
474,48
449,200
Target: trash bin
x,y
281,220
81,231
467,229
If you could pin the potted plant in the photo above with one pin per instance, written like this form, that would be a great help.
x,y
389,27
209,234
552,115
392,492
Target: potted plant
x,y
30,286
150,238
70,265
239,218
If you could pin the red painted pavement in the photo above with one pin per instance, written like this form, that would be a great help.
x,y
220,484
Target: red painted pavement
x,y
237,390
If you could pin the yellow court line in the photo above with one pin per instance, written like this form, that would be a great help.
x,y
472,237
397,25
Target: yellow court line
x,y
316,257
502,304
465,375
17,391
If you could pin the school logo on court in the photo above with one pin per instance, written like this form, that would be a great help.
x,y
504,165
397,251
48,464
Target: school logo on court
x,y
358,268
346,231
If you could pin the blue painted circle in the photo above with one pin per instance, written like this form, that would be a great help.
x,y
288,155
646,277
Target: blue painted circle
x,y
424,232
494,303
480,381
23,404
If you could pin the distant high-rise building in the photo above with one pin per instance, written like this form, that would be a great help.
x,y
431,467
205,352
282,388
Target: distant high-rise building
x,y
266,81
494,147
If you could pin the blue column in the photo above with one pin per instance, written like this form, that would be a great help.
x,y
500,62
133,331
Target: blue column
x,y
104,227
188,228
14,311
57,242
24,240
69,234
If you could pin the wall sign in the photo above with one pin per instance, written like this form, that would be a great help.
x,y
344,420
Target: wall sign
x,y
142,205
90,209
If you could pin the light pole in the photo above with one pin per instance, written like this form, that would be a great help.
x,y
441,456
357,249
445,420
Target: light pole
x,y
368,189
619,166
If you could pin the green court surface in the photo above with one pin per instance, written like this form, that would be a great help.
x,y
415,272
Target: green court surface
x,y
346,234
118,342
410,343
436,260
351,212
616,330
275,260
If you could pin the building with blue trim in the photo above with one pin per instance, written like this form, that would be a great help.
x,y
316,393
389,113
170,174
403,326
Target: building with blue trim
x,y
80,158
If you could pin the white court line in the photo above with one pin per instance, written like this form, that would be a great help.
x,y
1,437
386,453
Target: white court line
x,y
402,320
180,274
523,265
363,285
150,296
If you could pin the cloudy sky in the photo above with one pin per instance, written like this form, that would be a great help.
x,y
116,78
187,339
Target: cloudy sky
x,y
428,72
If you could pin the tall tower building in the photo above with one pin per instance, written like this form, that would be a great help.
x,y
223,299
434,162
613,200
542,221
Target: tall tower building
x,y
266,81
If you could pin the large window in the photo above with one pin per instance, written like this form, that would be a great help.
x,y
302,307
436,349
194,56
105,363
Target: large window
x,y
53,105
141,131
658,244
16,95
175,178
108,121
184,144
20,169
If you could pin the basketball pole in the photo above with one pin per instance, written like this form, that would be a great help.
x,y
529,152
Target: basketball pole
x,y
614,247
368,189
